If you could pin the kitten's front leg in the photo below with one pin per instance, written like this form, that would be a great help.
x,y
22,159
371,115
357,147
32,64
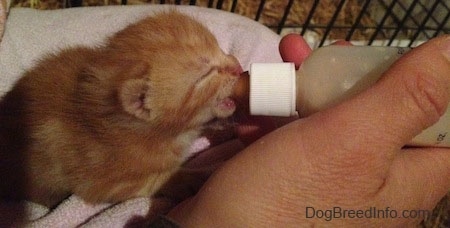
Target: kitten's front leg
x,y
183,184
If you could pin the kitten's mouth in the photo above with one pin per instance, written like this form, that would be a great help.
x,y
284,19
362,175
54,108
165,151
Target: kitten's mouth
x,y
227,103
225,107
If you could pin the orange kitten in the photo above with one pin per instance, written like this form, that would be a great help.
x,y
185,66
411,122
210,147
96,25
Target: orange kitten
x,y
114,122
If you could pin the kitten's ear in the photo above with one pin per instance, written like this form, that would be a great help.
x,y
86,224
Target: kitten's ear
x,y
134,90
133,95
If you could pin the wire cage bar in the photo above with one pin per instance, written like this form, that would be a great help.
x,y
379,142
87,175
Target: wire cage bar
x,y
367,22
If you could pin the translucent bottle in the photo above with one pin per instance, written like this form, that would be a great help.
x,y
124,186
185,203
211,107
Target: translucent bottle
x,y
327,77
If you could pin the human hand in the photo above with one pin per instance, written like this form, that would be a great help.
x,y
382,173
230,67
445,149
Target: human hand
x,y
351,156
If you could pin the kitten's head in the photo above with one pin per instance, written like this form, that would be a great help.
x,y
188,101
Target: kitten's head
x,y
179,76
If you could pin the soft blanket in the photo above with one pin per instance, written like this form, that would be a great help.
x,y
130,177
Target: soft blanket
x,y
30,34
4,8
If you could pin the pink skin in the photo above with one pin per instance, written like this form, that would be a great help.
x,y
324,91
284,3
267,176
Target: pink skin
x,y
293,48
236,70
228,103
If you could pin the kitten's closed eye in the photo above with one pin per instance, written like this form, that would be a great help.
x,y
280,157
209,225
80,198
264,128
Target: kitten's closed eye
x,y
208,74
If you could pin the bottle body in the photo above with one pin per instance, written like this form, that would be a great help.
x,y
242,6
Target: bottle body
x,y
330,75
335,73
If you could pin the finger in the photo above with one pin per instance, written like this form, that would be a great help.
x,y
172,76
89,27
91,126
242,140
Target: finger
x,y
419,174
293,48
418,89
410,97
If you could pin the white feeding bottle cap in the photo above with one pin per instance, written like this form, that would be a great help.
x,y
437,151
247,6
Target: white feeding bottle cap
x,y
274,92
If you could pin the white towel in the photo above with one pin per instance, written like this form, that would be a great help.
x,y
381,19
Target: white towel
x,y
31,33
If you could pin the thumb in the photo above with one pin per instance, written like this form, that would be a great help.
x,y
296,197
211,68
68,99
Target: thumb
x,y
410,97
417,87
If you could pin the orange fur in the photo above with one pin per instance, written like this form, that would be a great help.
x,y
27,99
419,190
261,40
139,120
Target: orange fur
x,y
113,122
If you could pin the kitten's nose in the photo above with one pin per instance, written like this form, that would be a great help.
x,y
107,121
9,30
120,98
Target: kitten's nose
x,y
235,67
237,70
